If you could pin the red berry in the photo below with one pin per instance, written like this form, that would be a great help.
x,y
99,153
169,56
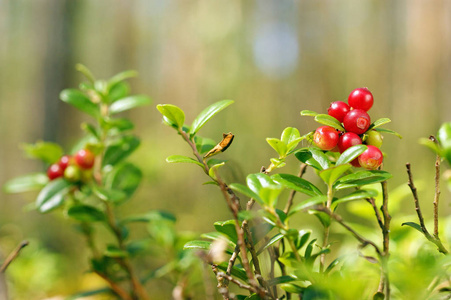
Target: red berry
x,y
372,158
64,161
85,159
326,137
357,121
361,98
355,162
55,171
348,140
338,110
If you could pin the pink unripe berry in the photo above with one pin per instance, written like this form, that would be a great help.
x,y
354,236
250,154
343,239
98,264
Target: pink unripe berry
x,y
338,110
361,98
54,172
326,137
372,158
357,121
347,140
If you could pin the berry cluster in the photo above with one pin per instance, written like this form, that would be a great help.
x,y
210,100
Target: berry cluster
x,y
74,168
356,122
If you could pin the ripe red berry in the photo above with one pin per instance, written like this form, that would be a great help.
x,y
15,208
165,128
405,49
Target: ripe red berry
x,y
64,161
338,110
54,171
361,98
357,121
372,158
326,137
85,159
348,140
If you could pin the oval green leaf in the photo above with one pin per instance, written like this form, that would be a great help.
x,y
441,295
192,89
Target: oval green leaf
x,y
129,103
242,189
329,121
379,122
86,213
172,114
45,151
329,176
125,177
308,203
350,154
80,101
120,150
204,245
310,113
296,183
52,195
361,178
278,145
356,195
183,159
207,114
26,183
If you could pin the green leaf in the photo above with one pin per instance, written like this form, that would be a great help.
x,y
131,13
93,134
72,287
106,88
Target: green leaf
x,y
308,203
329,176
203,245
174,116
332,265
109,195
361,178
388,131
281,279
271,242
214,169
278,145
309,113
379,122
45,151
414,226
350,154
303,237
242,189
322,217
118,91
154,215
237,272
265,187
207,114
125,177
85,71
431,145
292,288
306,157
329,121
356,195
121,77
86,213
26,183
183,159
121,124
89,128
296,183
80,101
52,195
444,135
227,228
203,145
291,138
120,150
115,252
129,103
320,157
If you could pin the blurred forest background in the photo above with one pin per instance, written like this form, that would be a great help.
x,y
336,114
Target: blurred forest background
x,y
274,58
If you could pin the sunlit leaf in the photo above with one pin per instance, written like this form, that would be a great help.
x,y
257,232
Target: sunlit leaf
x,y
242,189
329,121
309,113
379,122
45,151
296,183
183,159
350,154
26,183
203,245
278,145
329,176
361,178
174,116
129,103
80,101
52,195
207,114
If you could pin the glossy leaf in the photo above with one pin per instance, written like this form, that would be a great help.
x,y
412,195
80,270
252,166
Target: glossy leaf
x,y
265,187
329,176
361,178
26,183
309,113
320,157
207,114
278,145
120,150
203,145
242,189
302,239
307,204
86,213
52,195
356,195
203,245
291,137
80,101
129,103
183,159
414,226
350,154
227,228
271,242
292,288
214,169
45,151
174,116
306,157
296,183
444,135
125,177
329,121
383,130
379,122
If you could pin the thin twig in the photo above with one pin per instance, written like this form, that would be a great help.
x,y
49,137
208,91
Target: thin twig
x,y
302,170
372,201
115,287
386,240
437,190
12,256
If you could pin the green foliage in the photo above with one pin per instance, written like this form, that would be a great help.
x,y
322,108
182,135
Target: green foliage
x,y
45,151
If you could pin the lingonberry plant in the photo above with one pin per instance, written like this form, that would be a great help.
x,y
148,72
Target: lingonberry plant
x,y
260,250
90,184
